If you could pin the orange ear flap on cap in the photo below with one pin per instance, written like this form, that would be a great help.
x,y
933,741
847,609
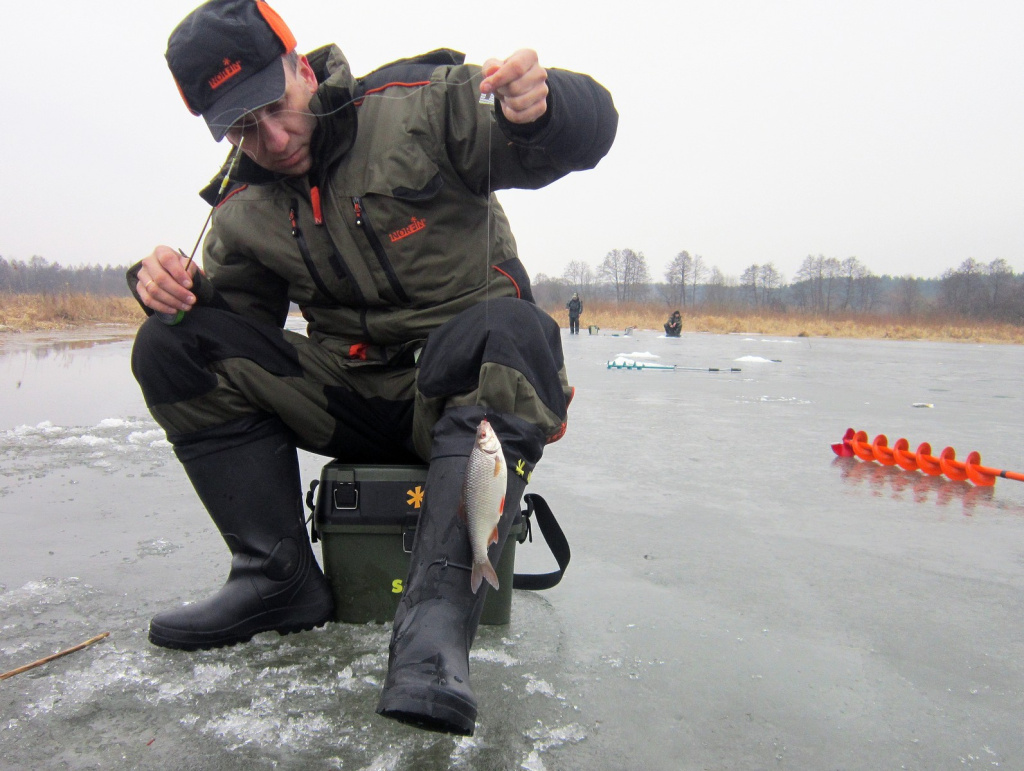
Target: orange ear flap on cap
x,y
184,98
277,24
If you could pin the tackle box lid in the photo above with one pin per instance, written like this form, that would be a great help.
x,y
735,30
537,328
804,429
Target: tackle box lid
x,y
349,494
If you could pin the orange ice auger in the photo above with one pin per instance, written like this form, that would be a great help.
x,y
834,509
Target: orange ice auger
x,y
855,443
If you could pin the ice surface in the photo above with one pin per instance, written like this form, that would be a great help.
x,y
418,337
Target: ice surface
x,y
738,597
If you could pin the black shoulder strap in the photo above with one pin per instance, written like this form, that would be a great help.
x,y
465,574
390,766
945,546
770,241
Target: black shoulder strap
x,y
555,539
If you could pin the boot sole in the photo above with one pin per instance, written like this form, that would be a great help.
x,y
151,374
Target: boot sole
x,y
430,708
195,641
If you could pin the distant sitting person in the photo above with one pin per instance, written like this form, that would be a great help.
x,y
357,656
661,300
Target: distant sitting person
x,y
575,307
674,325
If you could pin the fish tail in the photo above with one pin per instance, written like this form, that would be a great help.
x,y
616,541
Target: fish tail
x,y
481,571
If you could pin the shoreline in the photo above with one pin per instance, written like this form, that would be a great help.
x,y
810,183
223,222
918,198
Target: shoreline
x,y
71,314
66,333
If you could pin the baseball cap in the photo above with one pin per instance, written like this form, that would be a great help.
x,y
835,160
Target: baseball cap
x,y
225,57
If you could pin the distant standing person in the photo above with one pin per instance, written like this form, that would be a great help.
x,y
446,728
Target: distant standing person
x,y
575,306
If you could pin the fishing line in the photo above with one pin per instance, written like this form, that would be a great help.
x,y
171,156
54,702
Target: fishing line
x,y
408,94
487,230
411,92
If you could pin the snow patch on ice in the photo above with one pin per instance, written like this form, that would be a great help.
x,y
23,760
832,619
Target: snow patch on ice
x,y
151,437
387,762
493,657
638,355
157,547
545,739
46,428
535,685
107,446
263,725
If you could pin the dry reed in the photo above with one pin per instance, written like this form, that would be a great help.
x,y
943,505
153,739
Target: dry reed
x,y
27,313
611,317
35,312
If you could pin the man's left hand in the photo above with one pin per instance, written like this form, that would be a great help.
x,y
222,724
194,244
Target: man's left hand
x,y
520,84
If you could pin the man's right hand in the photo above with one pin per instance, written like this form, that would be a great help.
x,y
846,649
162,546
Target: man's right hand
x,y
164,283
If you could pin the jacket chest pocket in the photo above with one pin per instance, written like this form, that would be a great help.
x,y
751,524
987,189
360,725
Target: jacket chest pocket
x,y
390,216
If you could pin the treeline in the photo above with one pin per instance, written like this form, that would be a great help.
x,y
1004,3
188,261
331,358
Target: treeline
x,y
37,276
823,286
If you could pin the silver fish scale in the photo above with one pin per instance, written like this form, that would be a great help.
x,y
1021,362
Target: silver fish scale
x,y
482,496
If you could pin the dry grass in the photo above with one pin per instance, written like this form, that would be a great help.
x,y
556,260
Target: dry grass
x,y
29,313
34,312
608,316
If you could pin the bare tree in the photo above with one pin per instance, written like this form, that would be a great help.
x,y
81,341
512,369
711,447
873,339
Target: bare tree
x,y
962,290
638,276
906,297
580,276
850,271
626,271
676,274
749,282
999,280
771,281
821,275
697,274
715,290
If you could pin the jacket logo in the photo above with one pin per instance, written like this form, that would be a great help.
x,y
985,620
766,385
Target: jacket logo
x,y
415,226
230,70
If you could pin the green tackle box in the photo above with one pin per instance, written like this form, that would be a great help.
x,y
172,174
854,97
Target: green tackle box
x,y
365,519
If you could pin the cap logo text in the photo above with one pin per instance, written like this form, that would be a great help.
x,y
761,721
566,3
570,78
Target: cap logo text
x,y
230,70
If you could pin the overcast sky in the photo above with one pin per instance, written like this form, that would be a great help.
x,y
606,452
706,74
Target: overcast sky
x,y
751,131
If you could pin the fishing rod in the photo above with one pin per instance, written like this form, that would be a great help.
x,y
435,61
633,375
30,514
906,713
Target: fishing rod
x,y
856,444
178,316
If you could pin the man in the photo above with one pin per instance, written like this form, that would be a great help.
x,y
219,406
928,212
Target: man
x,y
575,308
674,325
368,202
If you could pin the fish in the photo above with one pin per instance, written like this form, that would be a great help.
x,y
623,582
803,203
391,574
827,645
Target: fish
x,y
483,500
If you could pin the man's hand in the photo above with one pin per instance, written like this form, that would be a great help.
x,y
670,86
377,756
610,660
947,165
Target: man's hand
x,y
520,84
164,283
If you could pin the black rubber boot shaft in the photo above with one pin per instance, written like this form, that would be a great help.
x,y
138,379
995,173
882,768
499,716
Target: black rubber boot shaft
x,y
428,681
252,493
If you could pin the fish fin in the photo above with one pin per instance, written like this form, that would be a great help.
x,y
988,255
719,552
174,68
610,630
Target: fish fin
x,y
501,507
481,571
497,466
494,536
475,578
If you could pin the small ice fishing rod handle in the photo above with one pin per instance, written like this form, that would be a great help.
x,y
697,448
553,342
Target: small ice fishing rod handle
x,y
171,319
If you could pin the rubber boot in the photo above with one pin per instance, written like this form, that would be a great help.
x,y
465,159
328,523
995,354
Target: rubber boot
x,y
428,665
252,493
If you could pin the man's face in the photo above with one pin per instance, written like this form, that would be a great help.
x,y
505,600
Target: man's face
x,y
278,135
